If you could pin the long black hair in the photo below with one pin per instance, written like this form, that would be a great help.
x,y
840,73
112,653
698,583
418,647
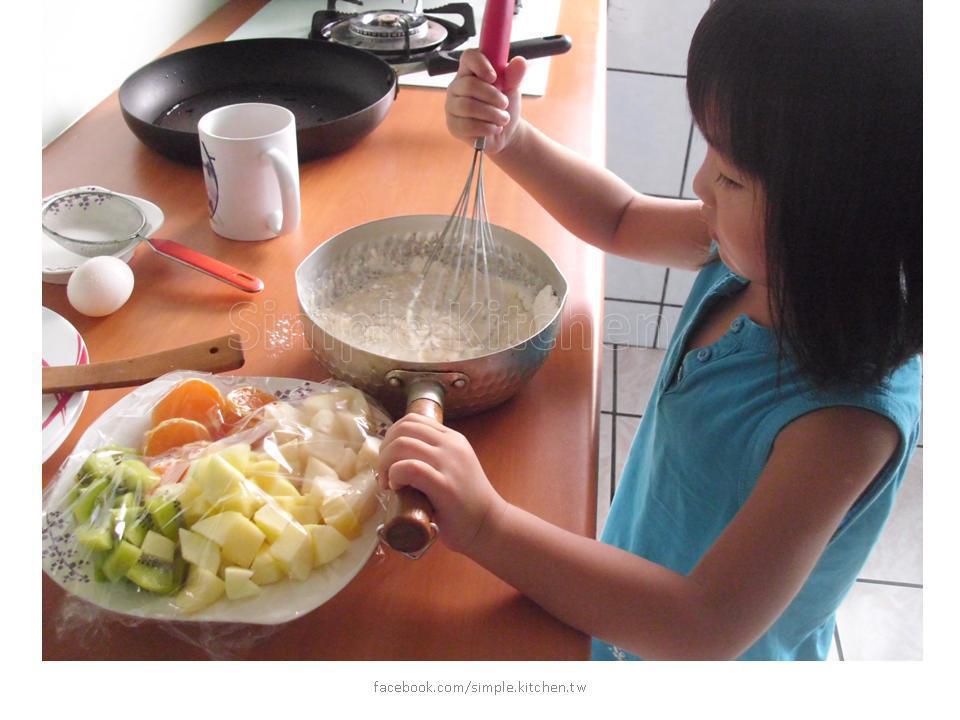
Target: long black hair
x,y
821,102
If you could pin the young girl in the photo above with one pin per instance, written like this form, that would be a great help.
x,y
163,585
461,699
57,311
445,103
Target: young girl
x,y
788,404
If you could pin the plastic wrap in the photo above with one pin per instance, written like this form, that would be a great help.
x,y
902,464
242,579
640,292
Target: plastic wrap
x,y
268,510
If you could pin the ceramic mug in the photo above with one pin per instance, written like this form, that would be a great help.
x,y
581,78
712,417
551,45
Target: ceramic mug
x,y
249,153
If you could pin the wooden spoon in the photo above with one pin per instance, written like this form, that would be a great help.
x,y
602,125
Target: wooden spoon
x,y
216,355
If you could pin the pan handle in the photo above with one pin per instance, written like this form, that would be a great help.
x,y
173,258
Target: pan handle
x,y
448,62
411,529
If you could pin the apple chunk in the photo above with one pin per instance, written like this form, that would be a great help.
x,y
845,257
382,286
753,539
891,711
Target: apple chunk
x,y
203,588
217,478
198,550
266,569
293,551
238,583
238,538
328,544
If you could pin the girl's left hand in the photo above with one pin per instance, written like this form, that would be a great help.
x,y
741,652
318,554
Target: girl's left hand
x,y
439,462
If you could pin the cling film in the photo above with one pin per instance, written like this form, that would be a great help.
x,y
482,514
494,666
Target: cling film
x,y
216,502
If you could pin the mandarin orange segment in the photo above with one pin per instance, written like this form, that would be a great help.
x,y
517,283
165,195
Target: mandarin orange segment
x,y
192,399
173,433
244,400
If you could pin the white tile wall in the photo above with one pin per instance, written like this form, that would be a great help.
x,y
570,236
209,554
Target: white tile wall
x,y
633,280
643,37
881,622
648,127
606,379
654,146
630,323
637,370
678,286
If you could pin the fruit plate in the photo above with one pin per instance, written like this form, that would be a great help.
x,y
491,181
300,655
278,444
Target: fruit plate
x,y
125,424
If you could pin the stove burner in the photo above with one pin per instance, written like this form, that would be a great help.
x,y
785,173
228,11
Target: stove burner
x,y
388,24
388,32
397,36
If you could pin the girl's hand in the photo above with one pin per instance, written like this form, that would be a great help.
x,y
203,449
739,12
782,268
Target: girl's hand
x,y
439,462
475,108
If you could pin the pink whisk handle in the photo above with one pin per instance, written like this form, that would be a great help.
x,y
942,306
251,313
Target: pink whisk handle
x,y
495,36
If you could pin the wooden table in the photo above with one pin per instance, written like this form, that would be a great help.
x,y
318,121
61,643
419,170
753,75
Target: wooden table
x,y
539,449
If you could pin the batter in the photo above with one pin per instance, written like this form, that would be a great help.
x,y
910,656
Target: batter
x,y
401,316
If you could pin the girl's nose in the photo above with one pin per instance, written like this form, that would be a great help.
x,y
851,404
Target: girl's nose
x,y
701,185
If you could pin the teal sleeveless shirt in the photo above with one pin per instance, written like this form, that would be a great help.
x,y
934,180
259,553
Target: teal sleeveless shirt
x,y
704,439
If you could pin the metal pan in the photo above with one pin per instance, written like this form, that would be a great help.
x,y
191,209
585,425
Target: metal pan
x,y
455,388
337,93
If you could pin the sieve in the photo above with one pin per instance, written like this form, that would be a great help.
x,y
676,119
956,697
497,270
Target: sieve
x,y
98,222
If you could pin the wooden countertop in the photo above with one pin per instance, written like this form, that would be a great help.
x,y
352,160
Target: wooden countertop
x,y
539,449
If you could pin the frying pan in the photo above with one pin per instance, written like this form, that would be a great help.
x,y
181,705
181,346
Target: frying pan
x,y
454,388
337,93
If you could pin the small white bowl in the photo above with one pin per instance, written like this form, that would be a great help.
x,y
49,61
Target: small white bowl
x,y
59,263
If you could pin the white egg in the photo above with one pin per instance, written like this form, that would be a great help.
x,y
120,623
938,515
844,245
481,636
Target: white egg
x,y
100,286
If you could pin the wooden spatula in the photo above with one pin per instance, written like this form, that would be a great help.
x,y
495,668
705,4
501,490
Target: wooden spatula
x,y
217,355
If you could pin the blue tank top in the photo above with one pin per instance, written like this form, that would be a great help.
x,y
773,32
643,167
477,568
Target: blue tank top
x,y
704,439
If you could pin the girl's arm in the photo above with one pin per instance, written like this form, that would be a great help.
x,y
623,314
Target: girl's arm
x,y
737,591
590,201
600,208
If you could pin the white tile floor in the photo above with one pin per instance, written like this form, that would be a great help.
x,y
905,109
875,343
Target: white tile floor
x,y
654,146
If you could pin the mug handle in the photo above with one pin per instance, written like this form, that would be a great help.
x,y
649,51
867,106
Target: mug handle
x,y
286,173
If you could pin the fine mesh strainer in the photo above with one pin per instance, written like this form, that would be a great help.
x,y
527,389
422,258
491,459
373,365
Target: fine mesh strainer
x,y
98,222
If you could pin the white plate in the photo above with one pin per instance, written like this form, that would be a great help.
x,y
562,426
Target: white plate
x,y
124,424
62,345
59,263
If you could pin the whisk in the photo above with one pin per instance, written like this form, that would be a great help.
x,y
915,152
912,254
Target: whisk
x,y
460,258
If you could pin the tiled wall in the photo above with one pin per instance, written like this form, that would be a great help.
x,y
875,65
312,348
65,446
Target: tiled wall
x,y
653,145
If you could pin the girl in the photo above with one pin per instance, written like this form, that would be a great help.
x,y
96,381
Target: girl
x,y
788,404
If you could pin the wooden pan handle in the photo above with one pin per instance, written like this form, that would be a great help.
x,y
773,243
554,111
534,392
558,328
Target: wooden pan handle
x,y
411,530
217,355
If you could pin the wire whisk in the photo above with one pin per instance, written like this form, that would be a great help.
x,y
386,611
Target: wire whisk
x,y
457,273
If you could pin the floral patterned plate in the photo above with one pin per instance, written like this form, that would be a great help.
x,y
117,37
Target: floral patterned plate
x,y
62,345
124,424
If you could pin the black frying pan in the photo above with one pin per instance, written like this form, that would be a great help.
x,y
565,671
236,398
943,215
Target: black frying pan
x,y
338,93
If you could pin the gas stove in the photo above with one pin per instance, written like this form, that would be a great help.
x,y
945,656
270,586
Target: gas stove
x,y
397,34
305,18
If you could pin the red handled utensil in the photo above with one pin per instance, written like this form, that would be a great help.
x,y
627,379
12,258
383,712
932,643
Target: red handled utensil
x,y
495,36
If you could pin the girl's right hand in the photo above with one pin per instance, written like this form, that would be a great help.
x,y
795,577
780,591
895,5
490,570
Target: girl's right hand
x,y
475,108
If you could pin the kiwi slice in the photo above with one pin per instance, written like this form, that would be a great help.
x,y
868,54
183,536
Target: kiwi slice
x,y
132,523
119,562
98,560
154,575
137,526
100,463
95,537
84,505
166,515
137,477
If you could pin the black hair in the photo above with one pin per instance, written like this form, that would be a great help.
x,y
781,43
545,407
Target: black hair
x,y
820,101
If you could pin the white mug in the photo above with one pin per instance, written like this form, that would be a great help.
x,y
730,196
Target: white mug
x,y
249,153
